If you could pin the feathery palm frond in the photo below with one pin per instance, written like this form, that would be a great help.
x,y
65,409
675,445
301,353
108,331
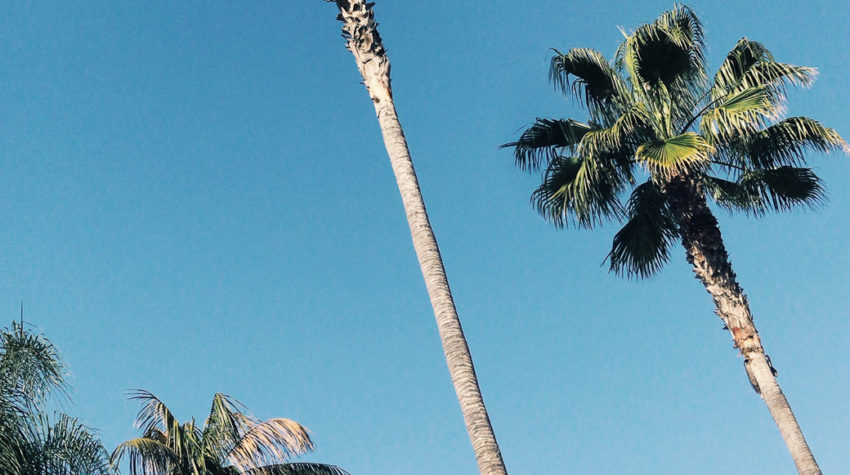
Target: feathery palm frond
x,y
301,468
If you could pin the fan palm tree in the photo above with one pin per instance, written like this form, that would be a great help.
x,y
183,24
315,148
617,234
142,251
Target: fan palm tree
x,y
30,443
362,39
229,443
661,139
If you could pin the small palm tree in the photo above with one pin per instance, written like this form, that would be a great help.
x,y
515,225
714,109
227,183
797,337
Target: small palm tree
x,y
661,139
230,442
31,442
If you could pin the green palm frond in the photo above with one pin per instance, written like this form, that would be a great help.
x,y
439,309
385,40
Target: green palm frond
x,y
147,456
225,425
759,191
738,114
154,414
596,83
581,188
268,441
785,143
680,154
544,140
65,446
30,368
671,50
641,247
750,64
302,468
633,124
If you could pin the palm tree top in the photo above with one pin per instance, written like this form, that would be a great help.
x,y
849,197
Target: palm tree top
x,y
654,117
230,441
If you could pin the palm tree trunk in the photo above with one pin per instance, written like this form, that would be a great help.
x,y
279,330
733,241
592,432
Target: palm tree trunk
x,y
360,31
706,252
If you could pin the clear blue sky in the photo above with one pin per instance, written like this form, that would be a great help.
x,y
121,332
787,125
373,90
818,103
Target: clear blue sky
x,y
195,198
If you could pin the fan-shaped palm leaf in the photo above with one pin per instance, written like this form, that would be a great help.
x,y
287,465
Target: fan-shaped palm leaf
x,y
544,140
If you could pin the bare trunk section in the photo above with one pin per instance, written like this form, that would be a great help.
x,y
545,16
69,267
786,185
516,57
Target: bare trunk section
x,y
360,31
706,252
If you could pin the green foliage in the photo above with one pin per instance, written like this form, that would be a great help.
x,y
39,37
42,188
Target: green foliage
x,y
653,112
230,442
32,443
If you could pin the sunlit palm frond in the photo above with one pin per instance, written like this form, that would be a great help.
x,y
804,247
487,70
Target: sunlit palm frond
x,y
270,441
544,140
785,143
146,456
302,468
580,188
641,247
594,81
750,64
632,126
759,191
738,114
680,154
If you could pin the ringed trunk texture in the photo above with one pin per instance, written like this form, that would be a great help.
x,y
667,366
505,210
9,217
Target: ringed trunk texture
x,y
707,253
361,34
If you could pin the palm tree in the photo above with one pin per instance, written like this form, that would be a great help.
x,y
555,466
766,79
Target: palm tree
x,y
362,39
30,443
658,126
229,443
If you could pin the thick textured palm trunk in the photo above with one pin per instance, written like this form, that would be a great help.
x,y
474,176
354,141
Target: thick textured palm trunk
x,y
706,252
359,29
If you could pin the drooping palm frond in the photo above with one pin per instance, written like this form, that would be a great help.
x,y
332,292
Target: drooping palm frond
x,y
583,189
785,143
751,64
269,441
225,425
302,468
641,247
776,189
594,82
546,139
63,447
146,456
154,415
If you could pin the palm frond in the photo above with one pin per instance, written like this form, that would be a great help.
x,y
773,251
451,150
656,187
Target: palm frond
x,y
739,114
641,247
759,191
750,64
147,456
270,441
581,188
64,447
679,154
671,50
154,414
30,368
596,83
225,425
302,468
544,140
785,143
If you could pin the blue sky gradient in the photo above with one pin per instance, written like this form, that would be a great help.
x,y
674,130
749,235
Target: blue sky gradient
x,y
195,198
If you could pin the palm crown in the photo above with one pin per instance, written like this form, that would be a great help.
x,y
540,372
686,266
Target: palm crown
x,y
230,442
654,117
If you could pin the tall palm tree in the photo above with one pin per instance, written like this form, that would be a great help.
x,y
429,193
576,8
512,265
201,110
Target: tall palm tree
x,y
31,442
229,443
658,126
362,39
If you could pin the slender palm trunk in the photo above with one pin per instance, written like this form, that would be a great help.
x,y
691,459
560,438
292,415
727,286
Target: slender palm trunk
x,y
706,252
360,31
